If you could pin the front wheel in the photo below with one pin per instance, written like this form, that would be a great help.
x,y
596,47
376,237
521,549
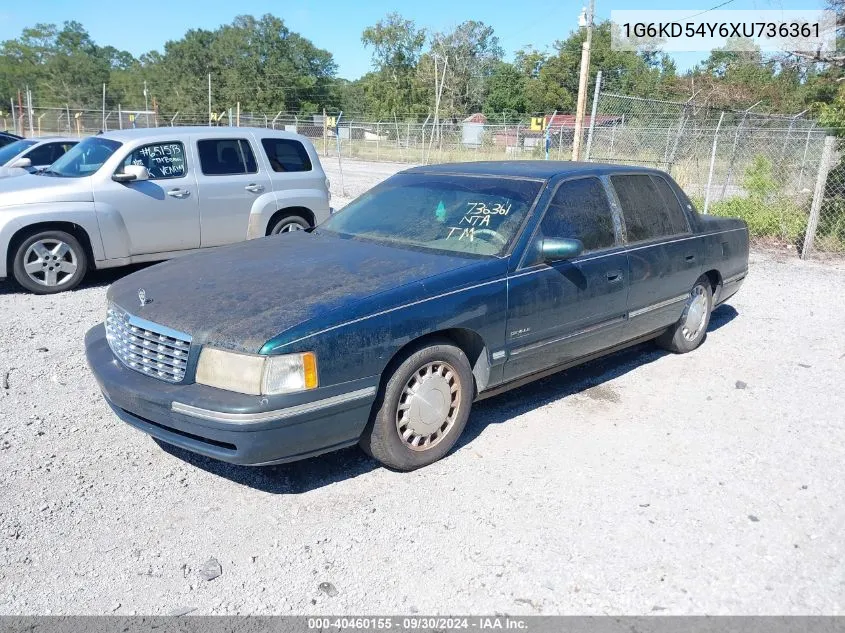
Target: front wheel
x,y
423,408
49,262
691,329
289,224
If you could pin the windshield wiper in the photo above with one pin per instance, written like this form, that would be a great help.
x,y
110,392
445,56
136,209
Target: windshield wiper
x,y
48,172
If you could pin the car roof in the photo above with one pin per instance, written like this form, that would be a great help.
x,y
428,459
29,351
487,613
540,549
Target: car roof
x,y
162,132
542,169
54,139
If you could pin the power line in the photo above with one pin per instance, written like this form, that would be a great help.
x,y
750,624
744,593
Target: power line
x,y
718,6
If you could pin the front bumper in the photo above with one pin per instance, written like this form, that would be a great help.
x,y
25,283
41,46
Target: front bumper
x,y
231,427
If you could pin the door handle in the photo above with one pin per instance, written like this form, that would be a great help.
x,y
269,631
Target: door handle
x,y
614,275
254,188
178,193
690,258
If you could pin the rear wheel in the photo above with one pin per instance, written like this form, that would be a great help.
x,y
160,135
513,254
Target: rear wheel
x,y
48,262
423,408
691,329
289,224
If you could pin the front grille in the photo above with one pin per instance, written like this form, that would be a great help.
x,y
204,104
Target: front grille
x,y
147,347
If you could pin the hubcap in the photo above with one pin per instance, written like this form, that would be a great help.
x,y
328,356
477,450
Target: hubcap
x,y
695,314
50,262
428,406
289,228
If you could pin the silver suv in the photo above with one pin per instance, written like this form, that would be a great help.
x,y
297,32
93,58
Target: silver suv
x,y
145,195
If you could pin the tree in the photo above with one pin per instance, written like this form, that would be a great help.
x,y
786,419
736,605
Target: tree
x,y
397,45
471,52
505,90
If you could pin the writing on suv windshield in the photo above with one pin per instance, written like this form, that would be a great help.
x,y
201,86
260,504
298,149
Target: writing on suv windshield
x,y
84,158
465,214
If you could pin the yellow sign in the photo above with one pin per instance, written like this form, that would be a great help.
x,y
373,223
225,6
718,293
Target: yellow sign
x,y
537,123
331,121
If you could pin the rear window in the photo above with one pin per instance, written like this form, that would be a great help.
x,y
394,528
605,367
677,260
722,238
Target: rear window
x,y
226,156
286,154
648,212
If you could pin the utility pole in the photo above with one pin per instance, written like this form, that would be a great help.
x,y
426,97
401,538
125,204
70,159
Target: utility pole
x,y
209,98
146,105
582,83
29,111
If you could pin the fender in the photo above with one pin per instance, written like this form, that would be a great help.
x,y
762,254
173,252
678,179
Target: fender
x,y
314,199
15,218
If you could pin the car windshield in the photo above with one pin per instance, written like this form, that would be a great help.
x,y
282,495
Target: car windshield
x,y
11,150
83,159
474,215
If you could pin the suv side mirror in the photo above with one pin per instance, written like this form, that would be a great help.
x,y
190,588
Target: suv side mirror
x,y
132,173
22,162
554,250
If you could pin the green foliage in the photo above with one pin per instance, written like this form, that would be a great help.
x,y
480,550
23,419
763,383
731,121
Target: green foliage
x,y
266,67
766,210
759,179
258,62
780,219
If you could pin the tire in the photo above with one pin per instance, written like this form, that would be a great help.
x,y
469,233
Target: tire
x,y
288,224
48,262
691,329
400,409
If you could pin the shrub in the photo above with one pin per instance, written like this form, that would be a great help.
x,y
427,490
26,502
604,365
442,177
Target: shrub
x,y
780,218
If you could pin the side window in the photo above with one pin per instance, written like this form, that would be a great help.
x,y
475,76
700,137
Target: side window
x,y
286,154
647,215
580,209
673,205
226,156
46,154
162,160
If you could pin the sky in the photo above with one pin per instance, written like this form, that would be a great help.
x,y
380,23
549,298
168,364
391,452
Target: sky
x,y
336,25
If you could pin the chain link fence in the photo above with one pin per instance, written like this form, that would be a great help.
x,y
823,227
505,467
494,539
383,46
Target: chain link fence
x,y
762,168
774,171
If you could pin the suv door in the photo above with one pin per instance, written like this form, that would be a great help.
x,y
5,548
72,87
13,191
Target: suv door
x,y
664,257
561,311
160,214
230,180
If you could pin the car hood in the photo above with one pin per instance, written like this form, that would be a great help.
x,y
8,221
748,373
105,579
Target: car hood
x,y
32,189
239,297
8,172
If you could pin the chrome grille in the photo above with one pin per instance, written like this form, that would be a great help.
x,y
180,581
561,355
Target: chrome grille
x,y
147,347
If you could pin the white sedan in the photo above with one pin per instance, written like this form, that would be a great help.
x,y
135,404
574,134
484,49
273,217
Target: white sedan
x,y
29,155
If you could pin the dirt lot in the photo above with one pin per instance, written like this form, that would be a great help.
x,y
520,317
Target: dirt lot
x,y
644,483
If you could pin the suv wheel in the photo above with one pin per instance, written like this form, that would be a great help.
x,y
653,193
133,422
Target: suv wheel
x,y
288,224
422,409
48,262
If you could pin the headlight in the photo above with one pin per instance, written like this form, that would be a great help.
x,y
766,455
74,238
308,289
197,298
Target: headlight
x,y
257,375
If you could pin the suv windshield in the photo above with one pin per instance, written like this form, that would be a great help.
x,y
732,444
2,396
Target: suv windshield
x,y
11,150
476,215
83,159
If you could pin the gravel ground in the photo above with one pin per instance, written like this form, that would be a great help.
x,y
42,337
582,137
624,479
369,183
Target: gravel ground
x,y
643,483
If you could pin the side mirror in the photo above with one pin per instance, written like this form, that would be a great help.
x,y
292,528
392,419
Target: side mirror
x,y
22,162
556,250
132,173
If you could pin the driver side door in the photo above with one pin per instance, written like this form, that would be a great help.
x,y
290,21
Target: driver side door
x,y
561,311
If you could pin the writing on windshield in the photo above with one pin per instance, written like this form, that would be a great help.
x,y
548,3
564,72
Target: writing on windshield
x,y
476,215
